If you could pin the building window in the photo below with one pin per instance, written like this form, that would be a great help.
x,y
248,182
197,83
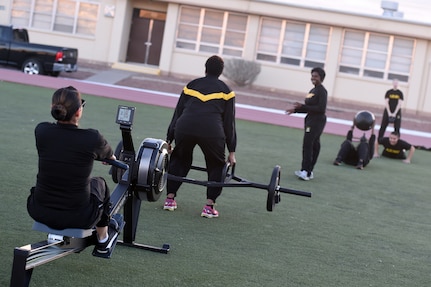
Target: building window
x,y
376,56
65,16
211,31
292,43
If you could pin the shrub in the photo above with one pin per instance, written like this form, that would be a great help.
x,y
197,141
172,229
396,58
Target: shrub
x,y
240,71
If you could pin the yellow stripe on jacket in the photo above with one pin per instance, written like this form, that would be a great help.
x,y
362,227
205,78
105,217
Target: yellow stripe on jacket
x,y
209,97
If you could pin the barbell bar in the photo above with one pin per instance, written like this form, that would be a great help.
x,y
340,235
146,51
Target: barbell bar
x,y
273,188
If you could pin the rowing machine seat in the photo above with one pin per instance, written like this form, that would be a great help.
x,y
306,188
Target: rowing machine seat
x,y
69,232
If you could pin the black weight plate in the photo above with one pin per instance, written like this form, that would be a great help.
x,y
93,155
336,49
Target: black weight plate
x,y
273,194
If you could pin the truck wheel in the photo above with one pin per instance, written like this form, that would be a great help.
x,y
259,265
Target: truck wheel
x,y
32,67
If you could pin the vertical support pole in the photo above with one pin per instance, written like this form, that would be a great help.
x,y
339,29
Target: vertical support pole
x,y
20,276
131,216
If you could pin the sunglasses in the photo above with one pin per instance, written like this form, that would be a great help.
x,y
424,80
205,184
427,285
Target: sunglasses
x,y
83,102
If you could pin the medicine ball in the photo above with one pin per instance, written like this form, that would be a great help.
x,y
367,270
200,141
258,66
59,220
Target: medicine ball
x,y
364,120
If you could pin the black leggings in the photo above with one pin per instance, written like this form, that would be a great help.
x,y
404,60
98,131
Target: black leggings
x,y
182,157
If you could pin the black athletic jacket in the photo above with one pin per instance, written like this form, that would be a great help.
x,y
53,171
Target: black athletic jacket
x,y
315,101
66,155
206,108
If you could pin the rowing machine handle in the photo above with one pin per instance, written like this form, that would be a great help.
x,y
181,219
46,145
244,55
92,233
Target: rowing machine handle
x,y
116,163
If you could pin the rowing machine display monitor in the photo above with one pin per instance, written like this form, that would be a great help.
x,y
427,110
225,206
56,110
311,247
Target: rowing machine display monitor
x,y
125,115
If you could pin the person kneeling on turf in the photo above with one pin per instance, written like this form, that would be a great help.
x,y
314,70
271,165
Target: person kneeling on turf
x,y
360,155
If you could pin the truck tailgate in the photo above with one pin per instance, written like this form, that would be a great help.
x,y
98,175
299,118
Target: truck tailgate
x,y
70,56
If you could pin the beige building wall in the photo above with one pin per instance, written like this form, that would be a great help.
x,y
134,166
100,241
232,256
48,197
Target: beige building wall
x,y
424,103
341,87
92,48
169,39
110,44
5,9
119,32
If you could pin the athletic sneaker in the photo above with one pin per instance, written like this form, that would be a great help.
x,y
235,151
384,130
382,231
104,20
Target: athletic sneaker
x,y
360,166
302,174
337,162
170,204
311,175
209,212
113,230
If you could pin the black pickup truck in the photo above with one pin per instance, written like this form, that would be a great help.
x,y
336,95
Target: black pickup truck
x,y
16,50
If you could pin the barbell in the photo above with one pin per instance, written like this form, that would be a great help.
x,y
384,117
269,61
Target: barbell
x,y
150,174
230,179
148,168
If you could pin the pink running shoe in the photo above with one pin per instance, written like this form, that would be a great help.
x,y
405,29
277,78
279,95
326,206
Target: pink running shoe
x,y
209,212
170,204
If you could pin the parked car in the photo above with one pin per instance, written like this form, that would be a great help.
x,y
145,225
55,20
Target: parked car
x,y
16,50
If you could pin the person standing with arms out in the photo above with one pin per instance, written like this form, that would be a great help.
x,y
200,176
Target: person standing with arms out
x,y
65,196
392,113
315,108
204,116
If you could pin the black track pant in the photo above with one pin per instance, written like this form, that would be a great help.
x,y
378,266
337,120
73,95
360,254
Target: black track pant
x,y
96,213
182,157
351,155
314,125
385,122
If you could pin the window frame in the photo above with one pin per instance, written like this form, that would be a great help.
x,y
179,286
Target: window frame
x,y
25,13
281,56
216,42
388,57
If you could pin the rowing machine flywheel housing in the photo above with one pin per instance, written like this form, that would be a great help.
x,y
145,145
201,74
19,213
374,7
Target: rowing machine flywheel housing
x,y
152,160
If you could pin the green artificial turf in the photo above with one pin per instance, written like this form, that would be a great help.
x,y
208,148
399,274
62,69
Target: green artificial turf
x,y
360,228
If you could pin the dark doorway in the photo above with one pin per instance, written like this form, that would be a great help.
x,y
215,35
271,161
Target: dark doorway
x,y
146,36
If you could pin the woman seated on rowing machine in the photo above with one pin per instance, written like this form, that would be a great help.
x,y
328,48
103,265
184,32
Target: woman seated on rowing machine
x,y
65,196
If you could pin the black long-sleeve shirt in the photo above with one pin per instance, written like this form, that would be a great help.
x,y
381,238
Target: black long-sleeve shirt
x,y
315,102
66,155
206,108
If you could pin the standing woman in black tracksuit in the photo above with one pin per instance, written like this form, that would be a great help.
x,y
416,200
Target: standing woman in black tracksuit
x,y
315,107
204,117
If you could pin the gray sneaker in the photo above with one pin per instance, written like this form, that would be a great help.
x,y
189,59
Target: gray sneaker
x,y
302,174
